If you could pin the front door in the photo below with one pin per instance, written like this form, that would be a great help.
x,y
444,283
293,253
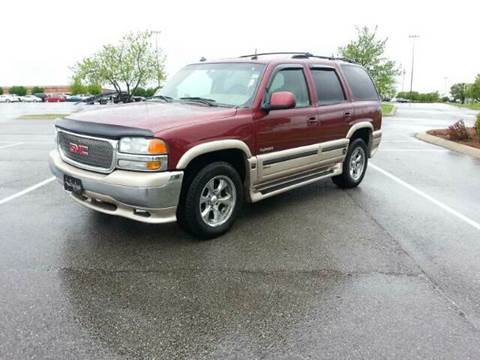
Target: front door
x,y
286,138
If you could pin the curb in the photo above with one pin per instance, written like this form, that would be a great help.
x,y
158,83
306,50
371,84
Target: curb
x,y
451,145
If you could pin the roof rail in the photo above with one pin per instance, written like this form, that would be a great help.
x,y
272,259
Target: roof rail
x,y
298,55
254,56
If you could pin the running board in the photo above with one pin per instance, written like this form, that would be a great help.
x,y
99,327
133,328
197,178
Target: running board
x,y
264,191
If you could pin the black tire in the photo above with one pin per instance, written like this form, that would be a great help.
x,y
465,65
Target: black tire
x,y
189,210
346,180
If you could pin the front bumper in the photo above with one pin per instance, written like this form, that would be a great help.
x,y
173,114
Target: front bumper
x,y
145,197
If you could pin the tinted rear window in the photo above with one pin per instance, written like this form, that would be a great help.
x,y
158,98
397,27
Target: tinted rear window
x,y
360,83
329,89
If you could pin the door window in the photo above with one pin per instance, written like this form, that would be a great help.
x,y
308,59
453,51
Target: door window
x,y
329,88
292,80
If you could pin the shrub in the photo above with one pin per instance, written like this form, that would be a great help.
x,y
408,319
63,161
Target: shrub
x,y
94,89
1,90
148,92
458,131
18,90
38,90
477,126
139,91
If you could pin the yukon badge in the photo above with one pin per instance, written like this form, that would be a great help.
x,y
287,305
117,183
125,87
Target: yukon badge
x,y
266,149
78,149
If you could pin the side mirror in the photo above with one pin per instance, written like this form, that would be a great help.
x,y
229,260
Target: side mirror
x,y
282,100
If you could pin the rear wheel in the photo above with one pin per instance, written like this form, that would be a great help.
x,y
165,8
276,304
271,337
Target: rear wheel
x,y
354,165
211,201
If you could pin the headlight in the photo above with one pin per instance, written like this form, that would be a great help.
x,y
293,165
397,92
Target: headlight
x,y
143,146
142,154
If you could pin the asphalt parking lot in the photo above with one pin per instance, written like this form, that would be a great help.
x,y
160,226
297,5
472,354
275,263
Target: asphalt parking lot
x,y
388,270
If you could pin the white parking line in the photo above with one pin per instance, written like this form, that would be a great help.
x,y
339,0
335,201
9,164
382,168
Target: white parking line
x,y
441,205
27,190
413,150
11,145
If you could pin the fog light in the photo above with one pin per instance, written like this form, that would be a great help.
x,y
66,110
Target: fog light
x,y
153,165
140,165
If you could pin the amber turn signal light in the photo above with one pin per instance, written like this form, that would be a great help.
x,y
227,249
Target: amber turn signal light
x,y
157,146
153,165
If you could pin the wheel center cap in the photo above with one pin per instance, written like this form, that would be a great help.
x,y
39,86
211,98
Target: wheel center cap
x,y
214,199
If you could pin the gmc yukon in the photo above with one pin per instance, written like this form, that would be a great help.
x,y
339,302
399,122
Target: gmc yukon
x,y
220,133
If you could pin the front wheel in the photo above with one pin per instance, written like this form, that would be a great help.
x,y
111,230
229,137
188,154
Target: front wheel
x,y
211,201
354,165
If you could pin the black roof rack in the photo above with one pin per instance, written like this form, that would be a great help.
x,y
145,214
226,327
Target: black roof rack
x,y
298,55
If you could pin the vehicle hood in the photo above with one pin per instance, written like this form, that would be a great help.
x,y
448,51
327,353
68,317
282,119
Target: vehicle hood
x,y
154,116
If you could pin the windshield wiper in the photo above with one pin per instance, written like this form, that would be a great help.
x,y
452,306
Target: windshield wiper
x,y
209,102
162,97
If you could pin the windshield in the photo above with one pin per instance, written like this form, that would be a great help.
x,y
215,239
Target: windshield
x,y
230,84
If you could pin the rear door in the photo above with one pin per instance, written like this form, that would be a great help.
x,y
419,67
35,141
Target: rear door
x,y
333,110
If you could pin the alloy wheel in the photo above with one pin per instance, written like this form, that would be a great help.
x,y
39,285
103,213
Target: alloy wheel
x,y
357,163
217,200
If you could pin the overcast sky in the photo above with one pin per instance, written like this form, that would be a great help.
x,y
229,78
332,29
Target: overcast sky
x,y
41,40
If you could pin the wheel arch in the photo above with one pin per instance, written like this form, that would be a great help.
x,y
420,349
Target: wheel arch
x,y
211,147
362,130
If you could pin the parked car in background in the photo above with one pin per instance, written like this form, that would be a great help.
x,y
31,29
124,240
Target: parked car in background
x,y
55,98
41,96
10,98
30,98
401,100
138,98
77,98
100,99
122,98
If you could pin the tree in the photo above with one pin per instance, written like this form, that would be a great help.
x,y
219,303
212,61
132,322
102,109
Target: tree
x,y
37,90
420,97
76,87
18,90
126,66
458,92
368,51
474,89
1,90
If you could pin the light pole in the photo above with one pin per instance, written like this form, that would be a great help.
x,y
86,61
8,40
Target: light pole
x,y
156,33
402,69
413,37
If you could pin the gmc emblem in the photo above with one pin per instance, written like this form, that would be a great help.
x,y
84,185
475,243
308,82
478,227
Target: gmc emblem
x,y
78,149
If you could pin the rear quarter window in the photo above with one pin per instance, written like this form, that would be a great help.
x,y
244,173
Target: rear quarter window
x,y
360,83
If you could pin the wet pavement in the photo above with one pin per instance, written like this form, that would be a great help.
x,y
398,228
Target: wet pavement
x,y
376,272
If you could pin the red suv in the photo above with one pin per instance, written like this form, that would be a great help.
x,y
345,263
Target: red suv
x,y
220,133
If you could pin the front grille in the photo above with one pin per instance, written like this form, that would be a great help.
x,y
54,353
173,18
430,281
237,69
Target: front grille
x,y
84,150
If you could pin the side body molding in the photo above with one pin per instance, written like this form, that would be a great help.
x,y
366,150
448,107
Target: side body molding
x,y
211,146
